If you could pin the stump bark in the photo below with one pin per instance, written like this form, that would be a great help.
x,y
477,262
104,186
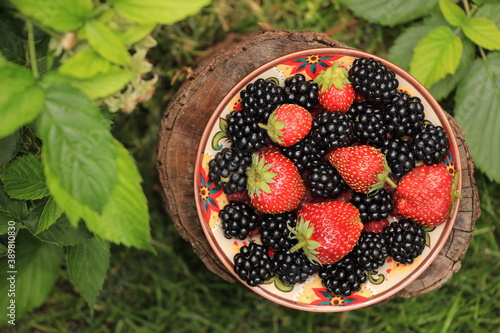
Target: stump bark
x,y
184,121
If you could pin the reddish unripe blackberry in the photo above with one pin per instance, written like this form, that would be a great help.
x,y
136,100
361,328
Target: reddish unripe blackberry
x,y
228,170
301,92
431,146
374,206
324,181
405,240
343,277
261,97
238,219
370,252
399,156
274,230
292,267
253,264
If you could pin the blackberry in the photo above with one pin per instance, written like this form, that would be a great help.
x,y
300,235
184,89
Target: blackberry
x,y
274,232
238,219
405,240
374,206
292,267
343,277
261,97
253,264
404,115
301,92
324,181
332,130
244,132
399,155
373,80
368,123
431,146
305,154
228,170
370,252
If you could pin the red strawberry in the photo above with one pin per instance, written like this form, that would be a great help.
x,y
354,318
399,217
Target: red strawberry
x,y
288,124
363,168
327,231
375,226
335,90
274,184
425,194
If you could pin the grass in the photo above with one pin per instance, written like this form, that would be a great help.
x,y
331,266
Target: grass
x,y
174,291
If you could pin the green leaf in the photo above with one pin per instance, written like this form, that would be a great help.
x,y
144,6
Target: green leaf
x,y
85,64
390,12
489,11
88,264
51,212
137,33
483,32
12,209
9,146
60,15
477,103
452,12
24,178
107,43
157,11
21,98
78,148
436,55
37,267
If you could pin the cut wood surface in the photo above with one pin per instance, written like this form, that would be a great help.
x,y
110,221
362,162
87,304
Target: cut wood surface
x,y
184,121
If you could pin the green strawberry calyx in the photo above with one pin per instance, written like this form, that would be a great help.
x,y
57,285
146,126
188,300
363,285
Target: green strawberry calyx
x,y
259,177
382,178
335,75
302,233
274,128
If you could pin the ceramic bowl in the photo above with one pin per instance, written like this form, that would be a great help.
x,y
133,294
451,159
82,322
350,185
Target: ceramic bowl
x,y
383,283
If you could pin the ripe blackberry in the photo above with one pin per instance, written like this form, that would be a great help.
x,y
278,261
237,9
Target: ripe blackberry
x,y
368,123
292,267
374,206
405,240
274,232
399,156
244,132
238,219
305,154
343,277
370,252
301,92
404,115
261,97
324,181
228,170
373,80
332,130
431,146
253,264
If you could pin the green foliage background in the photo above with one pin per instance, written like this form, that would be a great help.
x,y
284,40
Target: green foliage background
x,y
172,291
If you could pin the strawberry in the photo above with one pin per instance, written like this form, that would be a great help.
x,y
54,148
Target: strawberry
x,y
375,226
335,90
327,231
288,124
273,182
363,168
425,194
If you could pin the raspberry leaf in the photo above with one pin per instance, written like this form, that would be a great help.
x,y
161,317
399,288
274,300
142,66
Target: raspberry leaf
x,y
483,32
452,12
24,178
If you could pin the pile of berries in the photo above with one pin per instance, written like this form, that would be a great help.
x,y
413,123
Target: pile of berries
x,y
334,175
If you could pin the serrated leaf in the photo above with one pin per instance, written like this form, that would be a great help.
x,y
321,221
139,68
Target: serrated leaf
x,y
88,264
21,98
390,12
85,64
9,146
483,32
157,11
12,209
51,212
490,11
60,15
24,179
78,148
137,33
477,103
107,43
37,270
436,55
452,12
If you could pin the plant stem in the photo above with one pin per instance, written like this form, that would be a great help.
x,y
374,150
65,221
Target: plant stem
x,y
32,52
466,7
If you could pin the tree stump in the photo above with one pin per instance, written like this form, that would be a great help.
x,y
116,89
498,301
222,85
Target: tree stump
x,y
184,121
